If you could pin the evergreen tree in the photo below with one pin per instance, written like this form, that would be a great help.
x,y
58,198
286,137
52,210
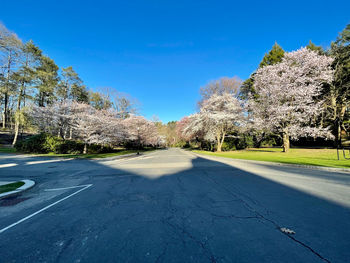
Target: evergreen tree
x,y
79,93
99,101
24,78
274,56
47,75
339,92
313,47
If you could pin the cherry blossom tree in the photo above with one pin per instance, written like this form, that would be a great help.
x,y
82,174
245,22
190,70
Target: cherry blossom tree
x,y
141,131
285,103
80,121
219,115
53,119
181,129
94,126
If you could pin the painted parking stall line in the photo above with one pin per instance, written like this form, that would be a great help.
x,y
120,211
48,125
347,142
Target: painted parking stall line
x,y
84,187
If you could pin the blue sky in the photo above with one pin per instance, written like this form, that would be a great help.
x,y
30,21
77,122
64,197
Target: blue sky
x,y
162,52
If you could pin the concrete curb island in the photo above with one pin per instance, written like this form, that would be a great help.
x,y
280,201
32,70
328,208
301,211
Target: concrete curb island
x,y
27,185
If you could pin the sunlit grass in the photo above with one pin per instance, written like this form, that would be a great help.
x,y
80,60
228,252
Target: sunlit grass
x,y
87,156
318,157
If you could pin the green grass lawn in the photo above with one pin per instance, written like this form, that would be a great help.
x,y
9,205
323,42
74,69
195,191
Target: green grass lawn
x,y
318,157
10,187
88,156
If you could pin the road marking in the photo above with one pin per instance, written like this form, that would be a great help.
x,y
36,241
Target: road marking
x,y
64,188
155,165
43,209
45,161
8,165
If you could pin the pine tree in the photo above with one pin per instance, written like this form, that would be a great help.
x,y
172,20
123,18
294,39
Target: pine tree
x,y
339,92
313,47
47,74
274,56
24,78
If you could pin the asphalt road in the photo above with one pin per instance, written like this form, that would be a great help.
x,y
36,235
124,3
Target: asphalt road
x,y
172,206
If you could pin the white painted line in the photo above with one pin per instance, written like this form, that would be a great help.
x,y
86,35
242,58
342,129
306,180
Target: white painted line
x,y
43,209
46,161
64,188
8,165
147,157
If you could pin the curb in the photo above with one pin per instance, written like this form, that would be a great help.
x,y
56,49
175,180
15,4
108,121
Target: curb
x,y
27,185
310,167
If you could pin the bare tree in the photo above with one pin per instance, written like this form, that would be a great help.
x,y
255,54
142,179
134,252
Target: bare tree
x,y
224,85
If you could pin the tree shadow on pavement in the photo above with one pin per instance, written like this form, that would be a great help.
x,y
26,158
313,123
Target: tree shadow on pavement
x,y
206,211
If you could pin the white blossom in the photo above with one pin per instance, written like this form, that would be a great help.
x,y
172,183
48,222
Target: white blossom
x,y
286,95
218,115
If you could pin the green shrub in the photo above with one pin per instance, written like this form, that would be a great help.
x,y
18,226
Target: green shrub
x,y
186,145
47,143
96,148
228,146
71,147
33,144
51,143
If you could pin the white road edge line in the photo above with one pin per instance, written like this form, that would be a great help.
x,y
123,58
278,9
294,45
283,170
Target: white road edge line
x,y
64,188
43,209
7,165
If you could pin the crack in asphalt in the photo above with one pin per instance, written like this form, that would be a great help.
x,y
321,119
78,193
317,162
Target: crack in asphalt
x,y
181,231
260,216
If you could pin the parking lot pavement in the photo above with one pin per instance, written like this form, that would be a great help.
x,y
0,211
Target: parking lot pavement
x,y
173,206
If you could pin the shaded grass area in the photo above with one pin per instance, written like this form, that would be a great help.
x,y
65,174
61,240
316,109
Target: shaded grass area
x,y
317,157
7,150
87,156
10,187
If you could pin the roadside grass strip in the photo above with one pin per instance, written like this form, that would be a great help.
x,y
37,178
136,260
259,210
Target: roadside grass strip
x,y
7,150
84,187
10,187
299,156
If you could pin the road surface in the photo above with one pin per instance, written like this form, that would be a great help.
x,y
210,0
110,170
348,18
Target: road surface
x,y
173,206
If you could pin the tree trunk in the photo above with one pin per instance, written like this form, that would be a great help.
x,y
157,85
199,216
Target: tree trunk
x,y
5,113
17,121
220,139
18,118
16,133
286,143
85,148
338,133
340,122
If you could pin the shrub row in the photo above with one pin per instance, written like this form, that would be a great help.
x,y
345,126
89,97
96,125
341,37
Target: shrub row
x,y
47,143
